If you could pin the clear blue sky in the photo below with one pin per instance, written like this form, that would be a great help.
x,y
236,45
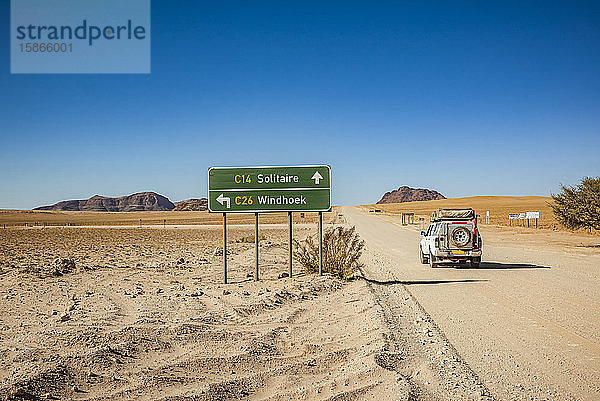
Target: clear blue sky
x,y
468,98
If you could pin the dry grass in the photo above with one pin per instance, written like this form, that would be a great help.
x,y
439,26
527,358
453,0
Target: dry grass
x,y
499,207
52,218
249,239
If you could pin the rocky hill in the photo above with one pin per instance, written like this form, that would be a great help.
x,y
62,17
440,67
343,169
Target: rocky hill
x,y
407,194
191,205
140,202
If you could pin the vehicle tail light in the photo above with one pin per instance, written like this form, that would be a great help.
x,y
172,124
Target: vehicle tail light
x,y
437,242
475,239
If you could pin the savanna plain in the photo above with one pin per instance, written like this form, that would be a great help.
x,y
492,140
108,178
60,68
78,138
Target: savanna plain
x,y
111,306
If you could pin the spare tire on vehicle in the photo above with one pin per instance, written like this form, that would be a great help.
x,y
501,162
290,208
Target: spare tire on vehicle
x,y
461,236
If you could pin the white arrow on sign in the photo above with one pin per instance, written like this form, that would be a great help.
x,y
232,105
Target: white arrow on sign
x,y
317,177
222,199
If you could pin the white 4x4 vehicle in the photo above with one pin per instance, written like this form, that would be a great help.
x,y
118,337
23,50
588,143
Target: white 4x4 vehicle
x,y
451,237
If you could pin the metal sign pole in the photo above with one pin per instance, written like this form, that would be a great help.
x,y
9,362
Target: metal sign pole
x,y
320,243
256,246
225,248
290,241
260,189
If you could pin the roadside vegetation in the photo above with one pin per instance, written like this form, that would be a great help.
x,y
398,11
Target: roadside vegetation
x,y
579,206
342,248
249,239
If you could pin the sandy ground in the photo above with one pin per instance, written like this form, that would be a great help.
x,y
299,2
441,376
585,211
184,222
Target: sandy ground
x,y
498,206
526,321
145,316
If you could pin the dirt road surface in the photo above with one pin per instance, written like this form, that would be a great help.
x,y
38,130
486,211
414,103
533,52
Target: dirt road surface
x,y
526,322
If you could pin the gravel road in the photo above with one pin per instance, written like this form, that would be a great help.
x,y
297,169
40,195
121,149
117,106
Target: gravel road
x,y
526,323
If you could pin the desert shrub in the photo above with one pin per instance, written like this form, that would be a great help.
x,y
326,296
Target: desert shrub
x,y
249,239
579,206
342,248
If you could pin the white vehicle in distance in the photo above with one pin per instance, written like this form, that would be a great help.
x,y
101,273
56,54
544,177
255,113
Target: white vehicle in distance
x,y
452,237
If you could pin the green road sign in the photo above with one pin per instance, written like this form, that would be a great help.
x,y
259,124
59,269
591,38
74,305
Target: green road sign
x,y
269,189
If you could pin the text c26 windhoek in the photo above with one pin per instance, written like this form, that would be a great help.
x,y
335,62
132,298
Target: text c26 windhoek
x,y
81,32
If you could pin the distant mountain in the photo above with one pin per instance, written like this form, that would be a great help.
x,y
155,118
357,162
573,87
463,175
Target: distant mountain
x,y
407,194
191,205
141,202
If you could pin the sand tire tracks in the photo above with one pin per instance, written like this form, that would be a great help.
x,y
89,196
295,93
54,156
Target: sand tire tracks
x,y
418,350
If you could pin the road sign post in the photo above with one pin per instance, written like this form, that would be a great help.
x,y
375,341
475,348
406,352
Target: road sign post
x,y
255,246
524,216
290,242
320,243
225,248
270,189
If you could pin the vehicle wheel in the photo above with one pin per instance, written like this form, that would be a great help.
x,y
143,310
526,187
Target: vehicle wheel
x,y
475,262
422,257
461,236
432,262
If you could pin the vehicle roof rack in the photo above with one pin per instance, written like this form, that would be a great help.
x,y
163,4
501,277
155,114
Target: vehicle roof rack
x,y
453,214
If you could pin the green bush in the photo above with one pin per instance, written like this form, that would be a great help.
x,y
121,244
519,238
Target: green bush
x,y
342,248
579,207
